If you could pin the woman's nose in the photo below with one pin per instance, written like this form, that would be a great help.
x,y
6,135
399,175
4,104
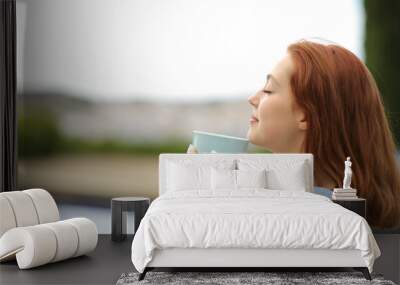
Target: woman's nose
x,y
253,100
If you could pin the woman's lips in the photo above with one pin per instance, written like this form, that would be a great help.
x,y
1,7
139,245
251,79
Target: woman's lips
x,y
253,119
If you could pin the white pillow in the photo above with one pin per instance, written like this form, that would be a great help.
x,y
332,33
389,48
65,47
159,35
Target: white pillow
x,y
293,179
189,175
281,174
223,179
237,179
251,178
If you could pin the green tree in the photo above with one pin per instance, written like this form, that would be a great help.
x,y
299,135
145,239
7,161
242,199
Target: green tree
x,y
38,133
382,50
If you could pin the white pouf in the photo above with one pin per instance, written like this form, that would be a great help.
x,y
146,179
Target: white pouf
x,y
31,232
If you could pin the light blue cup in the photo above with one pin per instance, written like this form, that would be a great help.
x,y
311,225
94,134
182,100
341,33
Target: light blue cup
x,y
210,142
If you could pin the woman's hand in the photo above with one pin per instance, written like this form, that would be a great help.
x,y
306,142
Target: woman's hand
x,y
192,149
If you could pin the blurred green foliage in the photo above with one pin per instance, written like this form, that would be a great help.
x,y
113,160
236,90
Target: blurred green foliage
x,y
76,145
382,46
38,133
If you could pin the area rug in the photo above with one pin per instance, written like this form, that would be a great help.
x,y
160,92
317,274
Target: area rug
x,y
229,278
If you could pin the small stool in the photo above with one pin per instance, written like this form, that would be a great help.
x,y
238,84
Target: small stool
x,y
119,208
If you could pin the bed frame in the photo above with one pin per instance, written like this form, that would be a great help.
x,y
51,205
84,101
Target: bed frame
x,y
247,259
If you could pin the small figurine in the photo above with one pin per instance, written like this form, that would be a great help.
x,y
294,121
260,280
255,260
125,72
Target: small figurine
x,y
345,193
347,174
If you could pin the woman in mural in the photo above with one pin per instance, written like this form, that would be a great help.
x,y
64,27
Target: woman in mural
x,y
321,99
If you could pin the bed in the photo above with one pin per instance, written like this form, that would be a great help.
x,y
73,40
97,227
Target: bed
x,y
245,211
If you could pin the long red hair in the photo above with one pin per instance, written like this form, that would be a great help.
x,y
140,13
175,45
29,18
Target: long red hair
x,y
346,117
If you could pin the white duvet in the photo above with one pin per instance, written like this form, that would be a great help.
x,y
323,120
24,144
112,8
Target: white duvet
x,y
251,218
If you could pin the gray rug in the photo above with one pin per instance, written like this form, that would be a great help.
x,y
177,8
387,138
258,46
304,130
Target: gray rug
x,y
225,278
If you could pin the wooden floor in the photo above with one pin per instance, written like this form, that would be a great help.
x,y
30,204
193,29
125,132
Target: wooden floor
x,y
102,266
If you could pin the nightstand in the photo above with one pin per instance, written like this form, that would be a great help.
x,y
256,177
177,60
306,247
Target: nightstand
x,y
357,205
119,208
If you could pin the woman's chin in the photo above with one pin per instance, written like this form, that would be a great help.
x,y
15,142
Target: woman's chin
x,y
250,137
253,140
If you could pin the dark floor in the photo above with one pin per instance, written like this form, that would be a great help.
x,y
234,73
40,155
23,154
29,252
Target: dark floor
x,y
102,266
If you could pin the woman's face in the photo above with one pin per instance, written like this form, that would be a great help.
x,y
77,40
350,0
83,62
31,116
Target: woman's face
x,y
277,123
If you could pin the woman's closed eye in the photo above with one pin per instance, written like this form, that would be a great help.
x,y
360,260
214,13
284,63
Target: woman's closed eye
x,y
267,91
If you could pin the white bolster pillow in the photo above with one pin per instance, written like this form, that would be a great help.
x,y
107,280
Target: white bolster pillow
x,y
40,244
7,218
45,206
26,208
24,211
87,234
32,245
67,240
